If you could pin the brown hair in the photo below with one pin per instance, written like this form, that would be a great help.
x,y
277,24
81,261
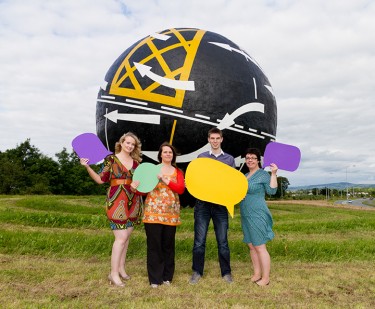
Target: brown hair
x,y
166,144
215,131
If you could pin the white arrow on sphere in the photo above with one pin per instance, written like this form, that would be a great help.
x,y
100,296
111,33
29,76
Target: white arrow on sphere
x,y
145,70
228,119
232,49
226,122
160,36
114,116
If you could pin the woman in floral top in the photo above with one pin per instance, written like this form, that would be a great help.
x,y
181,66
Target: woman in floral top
x,y
123,203
161,216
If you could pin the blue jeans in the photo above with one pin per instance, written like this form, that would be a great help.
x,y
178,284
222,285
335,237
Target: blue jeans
x,y
203,212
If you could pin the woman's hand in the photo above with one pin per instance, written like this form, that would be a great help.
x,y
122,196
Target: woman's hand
x,y
134,185
273,181
164,179
274,168
84,161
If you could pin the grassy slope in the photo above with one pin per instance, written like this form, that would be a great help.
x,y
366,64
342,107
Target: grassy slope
x,y
54,252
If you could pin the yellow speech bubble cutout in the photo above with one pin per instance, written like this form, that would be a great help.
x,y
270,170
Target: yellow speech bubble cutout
x,y
213,181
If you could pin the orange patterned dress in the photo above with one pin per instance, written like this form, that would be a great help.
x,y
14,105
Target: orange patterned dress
x,y
123,206
162,204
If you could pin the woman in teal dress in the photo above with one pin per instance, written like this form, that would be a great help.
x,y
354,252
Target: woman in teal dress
x,y
256,219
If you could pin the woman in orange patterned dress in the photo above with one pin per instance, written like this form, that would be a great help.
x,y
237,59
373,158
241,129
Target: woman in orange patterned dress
x,y
123,203
161,216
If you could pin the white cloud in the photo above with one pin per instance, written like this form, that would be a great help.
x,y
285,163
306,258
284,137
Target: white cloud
x,y
318,56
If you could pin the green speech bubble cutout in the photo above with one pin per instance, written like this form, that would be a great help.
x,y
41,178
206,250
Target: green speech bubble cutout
x,y
147,174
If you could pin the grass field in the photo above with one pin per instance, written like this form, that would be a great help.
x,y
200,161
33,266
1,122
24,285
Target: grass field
x,y
55,251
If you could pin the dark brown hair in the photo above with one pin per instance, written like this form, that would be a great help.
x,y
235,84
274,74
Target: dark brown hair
x,y
215,131
254,151
166,144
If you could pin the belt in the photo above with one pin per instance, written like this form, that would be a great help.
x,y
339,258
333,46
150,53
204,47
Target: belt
x,y
117,182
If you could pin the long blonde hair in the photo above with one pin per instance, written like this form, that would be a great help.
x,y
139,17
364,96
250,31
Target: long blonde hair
x,y
136,153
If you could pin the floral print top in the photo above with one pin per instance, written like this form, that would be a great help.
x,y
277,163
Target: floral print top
x,y
162,205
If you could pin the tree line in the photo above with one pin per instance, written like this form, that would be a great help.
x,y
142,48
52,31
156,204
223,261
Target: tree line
x,y
25,170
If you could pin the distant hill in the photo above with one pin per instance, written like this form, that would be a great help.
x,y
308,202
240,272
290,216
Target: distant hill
x,y
337,185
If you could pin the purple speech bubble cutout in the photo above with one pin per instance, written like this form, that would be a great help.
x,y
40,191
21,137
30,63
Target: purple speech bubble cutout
x,y
286,157
88,145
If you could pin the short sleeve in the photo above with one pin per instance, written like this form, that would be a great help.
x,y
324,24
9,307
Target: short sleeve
x,y
105,169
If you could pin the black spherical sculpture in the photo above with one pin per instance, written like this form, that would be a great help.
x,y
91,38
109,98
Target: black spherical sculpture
x,y
177,84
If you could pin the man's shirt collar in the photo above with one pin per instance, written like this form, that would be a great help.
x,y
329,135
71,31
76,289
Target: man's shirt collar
x,y
216,155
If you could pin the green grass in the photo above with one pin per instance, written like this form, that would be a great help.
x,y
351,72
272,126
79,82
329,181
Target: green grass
x,y
77,226
325,253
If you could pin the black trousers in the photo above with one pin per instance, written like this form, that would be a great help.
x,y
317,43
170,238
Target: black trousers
x,y
160,252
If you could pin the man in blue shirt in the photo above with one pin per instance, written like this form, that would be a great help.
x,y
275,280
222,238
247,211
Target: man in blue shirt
x,y
205,211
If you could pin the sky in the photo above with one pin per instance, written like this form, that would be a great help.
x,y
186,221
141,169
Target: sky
x,y
318,55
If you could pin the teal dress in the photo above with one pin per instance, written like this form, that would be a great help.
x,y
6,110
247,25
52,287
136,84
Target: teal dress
x,y
256,218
